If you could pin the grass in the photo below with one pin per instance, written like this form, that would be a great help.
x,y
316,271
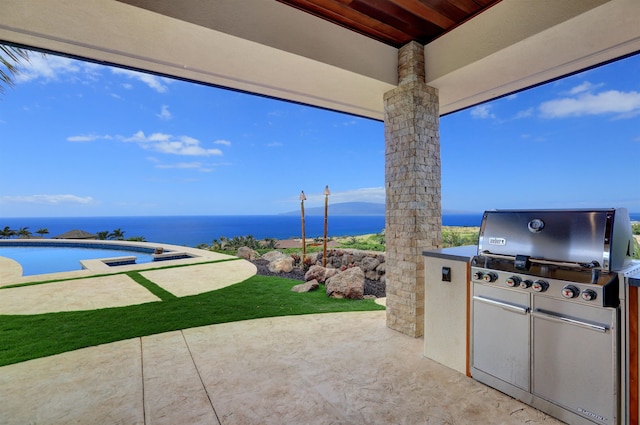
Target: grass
x,y
375,242
150,286
26,337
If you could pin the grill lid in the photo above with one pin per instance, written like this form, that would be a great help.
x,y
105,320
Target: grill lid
x,y
599,238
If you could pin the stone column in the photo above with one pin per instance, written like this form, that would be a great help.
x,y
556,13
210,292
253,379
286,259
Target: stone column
x,y
413,196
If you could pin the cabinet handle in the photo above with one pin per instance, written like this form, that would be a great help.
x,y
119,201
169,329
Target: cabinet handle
x,y
559,318
503,305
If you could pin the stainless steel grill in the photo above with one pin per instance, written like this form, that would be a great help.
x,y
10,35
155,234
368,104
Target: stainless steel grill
x,y
546,327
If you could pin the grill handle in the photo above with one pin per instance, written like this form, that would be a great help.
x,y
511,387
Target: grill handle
x,y
563,319
503,305
592,265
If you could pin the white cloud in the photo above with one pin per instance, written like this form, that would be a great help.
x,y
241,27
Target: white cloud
x,y
368,194
160,142
195,165
164,113
158,84
482,112
47,68
584,87
175,145
524,114
275,145
349,123
47,199
181,165
584,102
87,138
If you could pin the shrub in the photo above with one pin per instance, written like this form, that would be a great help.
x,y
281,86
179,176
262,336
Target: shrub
x,y
458,236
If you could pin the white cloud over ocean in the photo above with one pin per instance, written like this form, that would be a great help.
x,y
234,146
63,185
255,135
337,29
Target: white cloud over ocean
x,y
47,199
169,144
159,142
583,100
367,194
83,138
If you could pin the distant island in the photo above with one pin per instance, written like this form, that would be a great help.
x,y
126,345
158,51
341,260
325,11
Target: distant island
x,y
344,208
360,209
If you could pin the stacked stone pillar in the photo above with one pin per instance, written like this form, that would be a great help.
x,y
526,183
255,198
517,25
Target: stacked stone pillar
x,y
413,195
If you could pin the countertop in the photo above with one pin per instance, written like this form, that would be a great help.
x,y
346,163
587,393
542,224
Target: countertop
x,y
456,253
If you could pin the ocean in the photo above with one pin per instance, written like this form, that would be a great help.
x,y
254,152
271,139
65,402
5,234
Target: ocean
x,y
196,230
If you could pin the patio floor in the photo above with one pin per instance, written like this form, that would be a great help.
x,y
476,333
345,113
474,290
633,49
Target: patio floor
x,y
343,368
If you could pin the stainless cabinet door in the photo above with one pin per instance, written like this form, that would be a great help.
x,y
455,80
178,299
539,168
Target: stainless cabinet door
x,y
501,330
575,358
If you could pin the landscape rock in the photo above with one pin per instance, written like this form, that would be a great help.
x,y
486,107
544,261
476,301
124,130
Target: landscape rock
x,y
309,286
371,275
330,272
315,272
347,284
369,263
375,288
247,253
283,265
273,255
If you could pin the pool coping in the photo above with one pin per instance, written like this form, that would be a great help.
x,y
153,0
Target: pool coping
x,y
11,271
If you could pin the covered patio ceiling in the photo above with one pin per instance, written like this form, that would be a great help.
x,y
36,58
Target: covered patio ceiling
x,y
318,53
395,22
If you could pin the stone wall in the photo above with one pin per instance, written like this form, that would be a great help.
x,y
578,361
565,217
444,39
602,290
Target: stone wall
x,y
372,263
412,183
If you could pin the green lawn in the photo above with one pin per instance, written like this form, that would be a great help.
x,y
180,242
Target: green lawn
x,y
26,337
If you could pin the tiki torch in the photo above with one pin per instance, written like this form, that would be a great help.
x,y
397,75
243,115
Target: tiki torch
x,y
304,243
326,213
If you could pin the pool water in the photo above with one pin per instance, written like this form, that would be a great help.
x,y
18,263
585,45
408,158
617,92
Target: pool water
x,y
54,259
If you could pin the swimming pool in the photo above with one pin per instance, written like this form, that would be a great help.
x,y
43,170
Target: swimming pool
x,y
53,257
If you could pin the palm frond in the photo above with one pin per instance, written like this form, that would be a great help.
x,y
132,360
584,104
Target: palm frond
x,y
10,58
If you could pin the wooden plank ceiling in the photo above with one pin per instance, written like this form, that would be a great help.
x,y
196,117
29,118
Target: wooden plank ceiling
x,y
395,22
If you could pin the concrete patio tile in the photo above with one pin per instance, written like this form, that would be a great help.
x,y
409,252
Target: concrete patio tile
x,y
338,369
173,391
95,385
200,278
72,295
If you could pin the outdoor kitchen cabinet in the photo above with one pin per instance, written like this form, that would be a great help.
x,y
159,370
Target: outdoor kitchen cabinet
x,y
446,306
632,366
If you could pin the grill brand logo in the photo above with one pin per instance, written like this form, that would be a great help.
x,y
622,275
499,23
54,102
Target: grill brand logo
x,y
497,241
591,414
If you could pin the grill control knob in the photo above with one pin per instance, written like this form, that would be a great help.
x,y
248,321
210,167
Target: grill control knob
x,y
539,286
525,284
477,275
570,291
589,295
490,277
513,281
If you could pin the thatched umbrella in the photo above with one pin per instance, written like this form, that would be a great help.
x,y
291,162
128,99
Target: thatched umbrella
x,y
76,234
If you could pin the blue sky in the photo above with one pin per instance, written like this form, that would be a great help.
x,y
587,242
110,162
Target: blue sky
x,y
80,139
